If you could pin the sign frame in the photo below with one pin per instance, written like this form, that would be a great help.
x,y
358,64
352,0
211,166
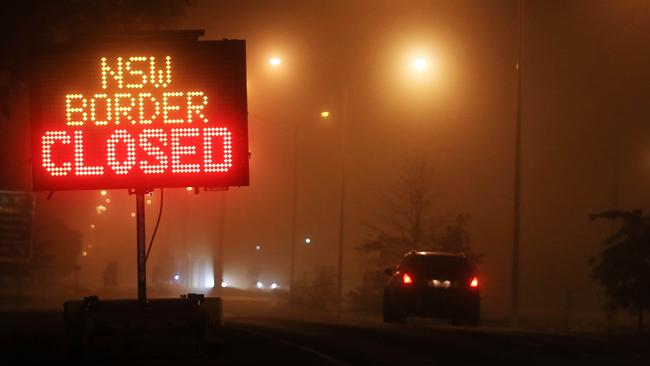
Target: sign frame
x,y
220,70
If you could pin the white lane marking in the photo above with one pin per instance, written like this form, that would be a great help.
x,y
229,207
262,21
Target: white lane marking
x,y
312,351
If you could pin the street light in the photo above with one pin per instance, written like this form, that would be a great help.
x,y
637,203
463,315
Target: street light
x,y
275,61
307,241
420,63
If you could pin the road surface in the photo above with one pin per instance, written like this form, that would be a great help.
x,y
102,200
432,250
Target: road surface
x,y
32,337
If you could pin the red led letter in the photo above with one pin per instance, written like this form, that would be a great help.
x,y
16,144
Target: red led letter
x,y
210,166
178,150
46,147
120,167
153,151
79,168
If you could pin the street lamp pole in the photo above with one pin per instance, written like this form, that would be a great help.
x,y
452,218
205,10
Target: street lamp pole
x,y
344,116
517,182
292,267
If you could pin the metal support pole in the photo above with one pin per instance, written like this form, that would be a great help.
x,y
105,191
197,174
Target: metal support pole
x,y
344,121
294,198
142,270
517,182
218,270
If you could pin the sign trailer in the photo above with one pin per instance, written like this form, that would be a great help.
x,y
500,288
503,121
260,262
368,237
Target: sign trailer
x,y
140,111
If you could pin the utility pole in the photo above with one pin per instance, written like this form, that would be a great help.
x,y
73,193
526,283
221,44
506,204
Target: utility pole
x,y
517,183
292,268
344,121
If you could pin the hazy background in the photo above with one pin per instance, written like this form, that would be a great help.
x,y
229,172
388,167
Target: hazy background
x,y
586,142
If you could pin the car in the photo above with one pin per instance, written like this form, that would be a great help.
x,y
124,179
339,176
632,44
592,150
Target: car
x,y
433,284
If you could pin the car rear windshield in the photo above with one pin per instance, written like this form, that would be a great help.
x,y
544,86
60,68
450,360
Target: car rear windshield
x,y
437,266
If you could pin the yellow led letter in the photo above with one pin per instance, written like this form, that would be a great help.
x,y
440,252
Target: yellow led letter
x,y
116,74
156,108
163,76
168,107
93,115
136,72
196,108
69,110
121,109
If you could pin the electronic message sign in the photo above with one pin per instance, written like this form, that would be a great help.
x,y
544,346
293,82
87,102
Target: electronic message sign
x,y
140,114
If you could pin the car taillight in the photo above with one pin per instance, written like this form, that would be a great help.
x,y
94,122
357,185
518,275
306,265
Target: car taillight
x,y
406,279
474,282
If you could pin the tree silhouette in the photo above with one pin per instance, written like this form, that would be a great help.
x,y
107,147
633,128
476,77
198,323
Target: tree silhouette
x,y
623,267
408,222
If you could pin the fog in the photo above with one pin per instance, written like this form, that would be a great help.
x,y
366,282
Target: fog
x,y
585,144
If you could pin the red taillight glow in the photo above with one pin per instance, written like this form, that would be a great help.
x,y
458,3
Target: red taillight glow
x,y
406,279
474,283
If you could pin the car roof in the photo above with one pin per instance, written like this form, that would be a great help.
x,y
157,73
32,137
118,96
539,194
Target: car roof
x,y
435,253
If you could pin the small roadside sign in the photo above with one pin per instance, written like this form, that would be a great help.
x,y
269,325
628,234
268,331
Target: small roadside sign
x,y
16,214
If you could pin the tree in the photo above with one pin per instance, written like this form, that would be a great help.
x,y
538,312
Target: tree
x,y
110,275
455,238
623,267
55,250
318,294
409,222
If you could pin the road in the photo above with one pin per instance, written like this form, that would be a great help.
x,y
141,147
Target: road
x,y
37,336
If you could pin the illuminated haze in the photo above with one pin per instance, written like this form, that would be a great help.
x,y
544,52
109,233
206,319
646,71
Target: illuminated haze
x,y
353,59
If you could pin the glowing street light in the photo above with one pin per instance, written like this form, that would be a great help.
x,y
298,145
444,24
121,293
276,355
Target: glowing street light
x,y
420,63
224,284
259,285
177,277
92,226
189,189
132,214
103,192
274,286
307,241
258,247
84,253
275,61
325,114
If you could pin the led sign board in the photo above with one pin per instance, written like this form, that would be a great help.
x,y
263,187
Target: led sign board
x,y
140,114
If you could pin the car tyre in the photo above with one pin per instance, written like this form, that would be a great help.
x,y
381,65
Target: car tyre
x,y
472,320
391,313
